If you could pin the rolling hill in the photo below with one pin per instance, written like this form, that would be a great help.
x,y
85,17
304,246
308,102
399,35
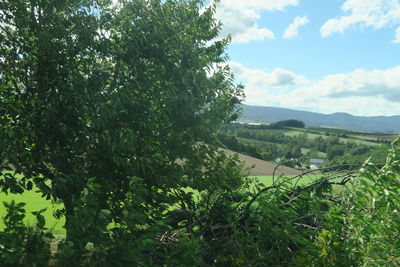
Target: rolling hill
x,y
378,124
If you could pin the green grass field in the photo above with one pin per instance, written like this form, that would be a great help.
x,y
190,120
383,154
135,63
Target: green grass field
x,y
290,132
35,202
320,155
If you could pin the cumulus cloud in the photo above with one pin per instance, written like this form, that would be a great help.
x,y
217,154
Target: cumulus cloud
x,y
279,77
365,13
292,30
360,83
360,92
241,24
239,18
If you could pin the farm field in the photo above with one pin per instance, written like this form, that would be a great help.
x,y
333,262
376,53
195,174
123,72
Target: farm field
x,y
264,168
320,155
304,151
301,146
374,137
356,139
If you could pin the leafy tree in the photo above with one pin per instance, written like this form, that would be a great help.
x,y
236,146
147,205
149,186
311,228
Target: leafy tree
x,y
100,100
334,151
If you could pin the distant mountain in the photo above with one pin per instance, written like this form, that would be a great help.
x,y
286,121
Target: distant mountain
x,y
381,124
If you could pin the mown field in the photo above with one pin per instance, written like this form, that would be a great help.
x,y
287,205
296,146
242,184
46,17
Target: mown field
x,y
35,202
355,139
374,137
320,155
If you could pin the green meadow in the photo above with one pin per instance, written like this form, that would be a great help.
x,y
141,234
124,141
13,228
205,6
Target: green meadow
x,y
34,202
294,132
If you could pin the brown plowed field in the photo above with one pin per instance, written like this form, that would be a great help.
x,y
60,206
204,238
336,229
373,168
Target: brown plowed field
x,y
261,167
264,168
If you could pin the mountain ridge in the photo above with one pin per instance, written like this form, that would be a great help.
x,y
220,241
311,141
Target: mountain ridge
x,y
341,120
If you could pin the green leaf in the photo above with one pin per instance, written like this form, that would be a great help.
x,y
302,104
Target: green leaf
x,y
29,185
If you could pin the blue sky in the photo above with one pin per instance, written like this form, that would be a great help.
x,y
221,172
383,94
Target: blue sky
x,y
317,55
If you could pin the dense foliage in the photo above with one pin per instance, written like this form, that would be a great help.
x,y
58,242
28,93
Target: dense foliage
x,y
344,218
111,108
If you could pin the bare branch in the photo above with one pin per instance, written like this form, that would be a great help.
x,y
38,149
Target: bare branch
x,y
306,226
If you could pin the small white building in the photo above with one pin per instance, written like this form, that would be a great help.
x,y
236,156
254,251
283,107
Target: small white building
x,y
316,163
313,167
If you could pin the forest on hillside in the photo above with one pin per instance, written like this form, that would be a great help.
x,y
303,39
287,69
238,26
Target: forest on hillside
x,y
296,147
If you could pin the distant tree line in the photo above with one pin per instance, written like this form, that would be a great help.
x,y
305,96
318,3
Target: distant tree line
x,y
289,123
275,125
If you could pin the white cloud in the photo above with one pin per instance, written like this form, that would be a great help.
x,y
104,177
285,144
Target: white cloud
x,y
365,13
239,18
359,83
279,77
360,92
241,24
292,30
